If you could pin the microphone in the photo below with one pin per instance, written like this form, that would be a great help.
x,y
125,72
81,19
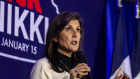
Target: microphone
x,y
81,57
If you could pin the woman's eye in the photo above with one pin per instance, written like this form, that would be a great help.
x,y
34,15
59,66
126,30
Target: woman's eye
x,y
78,30
67,29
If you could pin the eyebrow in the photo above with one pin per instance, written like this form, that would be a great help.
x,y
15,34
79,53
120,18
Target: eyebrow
x,y
71,26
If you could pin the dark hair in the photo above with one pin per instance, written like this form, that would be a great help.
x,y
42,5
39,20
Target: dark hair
x,y
55,27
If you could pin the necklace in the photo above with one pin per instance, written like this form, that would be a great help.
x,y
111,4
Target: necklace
x,y
65,65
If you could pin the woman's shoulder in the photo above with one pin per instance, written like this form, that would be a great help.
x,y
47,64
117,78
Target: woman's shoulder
x,y
42,65
43,62
42,70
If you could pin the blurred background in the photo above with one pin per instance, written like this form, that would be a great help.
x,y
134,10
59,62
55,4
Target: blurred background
x,y
111,35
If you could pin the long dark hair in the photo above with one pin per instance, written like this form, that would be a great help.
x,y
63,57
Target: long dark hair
x,y
55,27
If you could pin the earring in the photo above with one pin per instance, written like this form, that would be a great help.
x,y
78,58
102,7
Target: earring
x,y
55,39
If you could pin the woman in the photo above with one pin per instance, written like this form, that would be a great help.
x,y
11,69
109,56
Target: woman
x,y
63,50
63,57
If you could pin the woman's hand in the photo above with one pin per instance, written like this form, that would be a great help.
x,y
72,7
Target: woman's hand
x,y
78,71
121,76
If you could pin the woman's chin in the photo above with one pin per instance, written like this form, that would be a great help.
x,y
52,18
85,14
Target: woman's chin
x,y
74,50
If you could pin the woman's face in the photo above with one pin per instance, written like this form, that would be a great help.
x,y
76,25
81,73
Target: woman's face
x,y
69,37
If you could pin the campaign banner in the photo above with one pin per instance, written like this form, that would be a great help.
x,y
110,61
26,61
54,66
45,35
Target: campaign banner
x,y
23,29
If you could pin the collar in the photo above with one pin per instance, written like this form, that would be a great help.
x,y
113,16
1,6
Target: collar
x,y
65,62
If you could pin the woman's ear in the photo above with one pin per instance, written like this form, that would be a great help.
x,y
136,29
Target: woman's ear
x,y
55,39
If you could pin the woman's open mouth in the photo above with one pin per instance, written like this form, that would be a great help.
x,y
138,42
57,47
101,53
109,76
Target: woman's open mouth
x,y
74,42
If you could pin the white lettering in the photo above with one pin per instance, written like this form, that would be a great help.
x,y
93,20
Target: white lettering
x,y
34,27
2,5
19,22
9,18
15,44
23,22
46,28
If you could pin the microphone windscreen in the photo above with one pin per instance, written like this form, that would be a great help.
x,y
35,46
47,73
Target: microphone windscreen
x,y
81,57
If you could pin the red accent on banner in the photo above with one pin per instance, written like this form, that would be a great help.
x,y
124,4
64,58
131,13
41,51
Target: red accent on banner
x,y
21,3
36,4
9,0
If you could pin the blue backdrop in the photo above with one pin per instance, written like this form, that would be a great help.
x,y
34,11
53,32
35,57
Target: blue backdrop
x,y
23,27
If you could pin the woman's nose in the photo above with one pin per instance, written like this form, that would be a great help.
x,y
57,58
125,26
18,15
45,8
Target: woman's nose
x,y
74,34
